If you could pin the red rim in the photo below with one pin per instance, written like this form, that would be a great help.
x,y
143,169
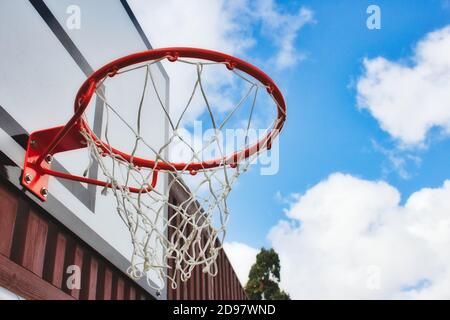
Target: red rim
x,y
87,90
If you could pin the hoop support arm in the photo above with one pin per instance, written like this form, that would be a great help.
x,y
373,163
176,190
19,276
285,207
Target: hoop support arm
x,y
36,172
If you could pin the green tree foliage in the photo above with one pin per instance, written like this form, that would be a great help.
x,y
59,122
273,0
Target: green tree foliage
x,y
264,278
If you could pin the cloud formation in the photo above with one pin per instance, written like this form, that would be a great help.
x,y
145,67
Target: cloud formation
x,y
234,27
409,99
351,238
242,257
228,26
397,161
283,29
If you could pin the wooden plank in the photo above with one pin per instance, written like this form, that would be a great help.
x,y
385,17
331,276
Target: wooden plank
x,y
190,285
197,278
107,292
210,287
205,286
235,285
217,285
55,256
232,284
114,286
176,292
118,288
131,292
105,289
170,290
74,257
226,286
228,280
33,244
20,228
198,274
89,278
26,284
214,288
178,277
171,293
100,281
202,284
240,288
240,292
220,276
127,290
8,212
185,289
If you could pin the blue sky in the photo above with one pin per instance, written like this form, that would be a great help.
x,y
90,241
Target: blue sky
x,y
326,132
360,206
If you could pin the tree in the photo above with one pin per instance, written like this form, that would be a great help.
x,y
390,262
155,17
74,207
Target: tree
x,y
264,278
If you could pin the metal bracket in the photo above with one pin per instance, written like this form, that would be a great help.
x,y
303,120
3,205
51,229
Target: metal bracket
x,y
35,175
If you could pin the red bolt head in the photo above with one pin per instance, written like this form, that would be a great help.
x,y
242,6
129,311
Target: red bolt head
x,y
173,56
230,65
113,72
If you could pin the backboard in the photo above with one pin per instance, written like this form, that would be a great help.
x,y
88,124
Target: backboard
x,y
48,49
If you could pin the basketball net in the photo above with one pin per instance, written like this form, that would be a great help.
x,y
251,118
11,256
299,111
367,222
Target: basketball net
x,y
169,237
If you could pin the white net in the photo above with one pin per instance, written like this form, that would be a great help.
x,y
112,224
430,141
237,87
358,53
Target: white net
x,y
182,226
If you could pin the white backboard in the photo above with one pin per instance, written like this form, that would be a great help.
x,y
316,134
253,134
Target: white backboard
x,y
48,48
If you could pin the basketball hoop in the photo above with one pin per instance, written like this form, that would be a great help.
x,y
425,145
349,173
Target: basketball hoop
x,y
139,202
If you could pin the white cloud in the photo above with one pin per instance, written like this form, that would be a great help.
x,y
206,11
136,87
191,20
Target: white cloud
x,y
351,238
287,200
241,257
192,23
283,29
223,25
409,100
398,161
227,26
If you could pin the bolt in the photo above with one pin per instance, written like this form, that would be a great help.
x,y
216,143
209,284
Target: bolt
x,y
44,192
28,178
33,144
49,158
